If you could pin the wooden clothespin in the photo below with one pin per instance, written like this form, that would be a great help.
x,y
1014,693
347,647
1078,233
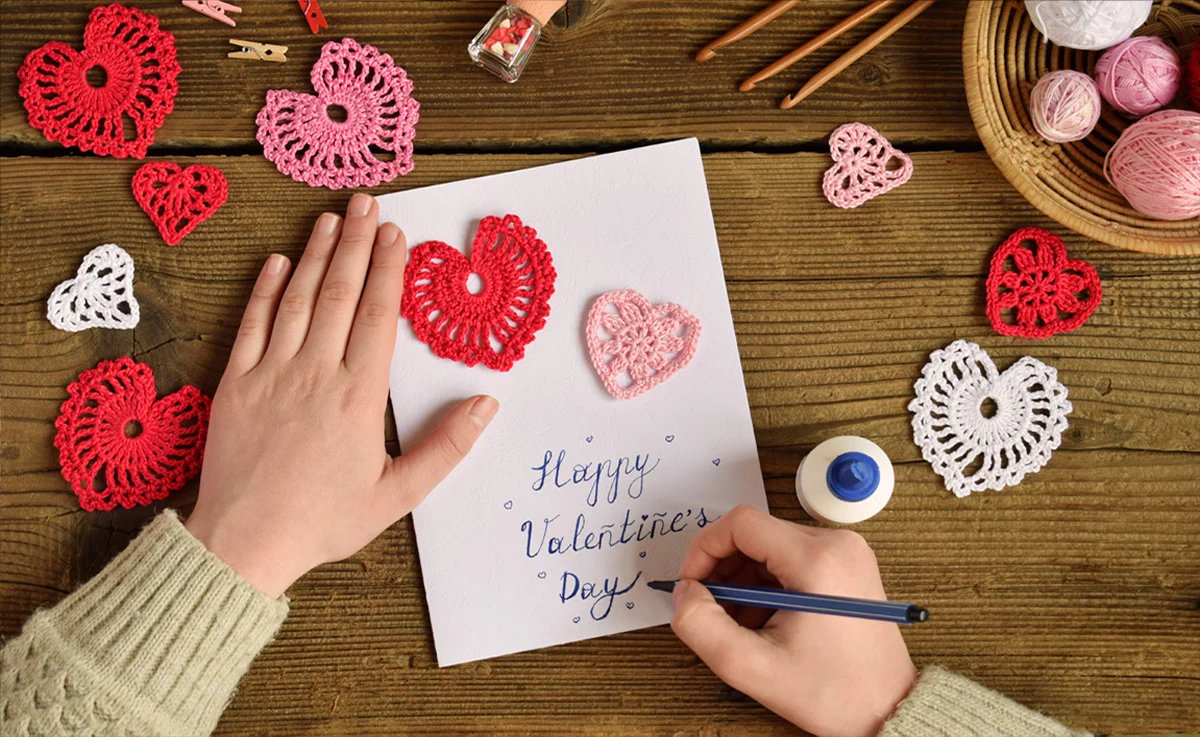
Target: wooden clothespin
x,y
261,52
215,9
313,14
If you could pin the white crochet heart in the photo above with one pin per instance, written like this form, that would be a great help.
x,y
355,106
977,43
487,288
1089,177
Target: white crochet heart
x,y
954,431
100,295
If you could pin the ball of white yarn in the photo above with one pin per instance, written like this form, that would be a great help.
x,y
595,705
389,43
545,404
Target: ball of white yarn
x,y
1088,24
1064,106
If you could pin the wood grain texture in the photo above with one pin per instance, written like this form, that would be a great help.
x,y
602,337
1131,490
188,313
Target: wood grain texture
x,y
622,72
1075,593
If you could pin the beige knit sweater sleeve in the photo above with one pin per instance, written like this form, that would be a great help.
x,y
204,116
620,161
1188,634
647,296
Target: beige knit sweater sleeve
x,y
153,645
156,644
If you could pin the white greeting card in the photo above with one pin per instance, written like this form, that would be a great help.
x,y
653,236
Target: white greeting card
x,y
572,500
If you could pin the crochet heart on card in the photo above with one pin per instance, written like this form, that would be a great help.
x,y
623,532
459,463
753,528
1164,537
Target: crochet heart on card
x,y
490,322
110,97
177,200
635,345
363,103
118,445
861,161
100,295
1042,290
966,413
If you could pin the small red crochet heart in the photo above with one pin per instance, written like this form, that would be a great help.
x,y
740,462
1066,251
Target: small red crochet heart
x,y
138,88
493,326
178,200
117,445
1044,287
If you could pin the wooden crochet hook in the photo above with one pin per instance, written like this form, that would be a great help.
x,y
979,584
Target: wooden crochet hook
x,y
778,66
755,22
854,54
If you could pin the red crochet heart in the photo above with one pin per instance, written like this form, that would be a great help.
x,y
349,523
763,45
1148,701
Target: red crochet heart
x,y
139,85
1044,287
178,200
117,445
491,327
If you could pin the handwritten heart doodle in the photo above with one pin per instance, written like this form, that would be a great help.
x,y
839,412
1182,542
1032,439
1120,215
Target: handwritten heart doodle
x,y
177,200
508,505
1043,288
100,295
629,605
635,345
112,96
860,170
951,427
301,136
541,574
118,445
670,438
642,554
588,438
716,461
492,326
575,620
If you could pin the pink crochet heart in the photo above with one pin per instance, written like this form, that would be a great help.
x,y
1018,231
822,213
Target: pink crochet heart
x,y
646,344
299,135
860,166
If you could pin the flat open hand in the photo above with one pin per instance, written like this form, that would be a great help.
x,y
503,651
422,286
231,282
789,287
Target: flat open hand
x,y
295,471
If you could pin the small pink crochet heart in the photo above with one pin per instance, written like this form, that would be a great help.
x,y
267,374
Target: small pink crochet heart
x,y
860,166
645,345
300,134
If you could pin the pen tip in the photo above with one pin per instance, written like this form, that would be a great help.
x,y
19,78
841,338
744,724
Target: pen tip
x,y
667,586
705,54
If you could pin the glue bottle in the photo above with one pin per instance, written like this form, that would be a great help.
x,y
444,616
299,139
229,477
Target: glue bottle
x,y
845,480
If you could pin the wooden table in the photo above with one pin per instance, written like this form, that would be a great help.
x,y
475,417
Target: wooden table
x,y
1075,592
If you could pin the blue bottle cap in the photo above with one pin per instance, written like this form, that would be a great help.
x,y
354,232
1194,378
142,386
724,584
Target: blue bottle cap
x,y
853,477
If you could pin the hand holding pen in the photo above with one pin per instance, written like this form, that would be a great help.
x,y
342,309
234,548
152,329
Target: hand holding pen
x,y
825,674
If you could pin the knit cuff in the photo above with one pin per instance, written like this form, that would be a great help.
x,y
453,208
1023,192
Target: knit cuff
x,y
943,704
168,624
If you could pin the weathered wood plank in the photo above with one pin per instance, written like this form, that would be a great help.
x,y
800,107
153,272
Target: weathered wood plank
x,y
622,73
835,313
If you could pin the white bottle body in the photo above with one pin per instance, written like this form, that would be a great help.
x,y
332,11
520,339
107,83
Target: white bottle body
x,y
819,500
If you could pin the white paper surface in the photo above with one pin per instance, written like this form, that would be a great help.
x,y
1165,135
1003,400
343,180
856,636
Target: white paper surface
x,y
495,570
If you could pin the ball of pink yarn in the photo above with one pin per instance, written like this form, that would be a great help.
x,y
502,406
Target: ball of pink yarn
x,y
1064,106
1140,75
1156,165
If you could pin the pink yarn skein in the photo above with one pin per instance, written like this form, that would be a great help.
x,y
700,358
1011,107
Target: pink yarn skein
x,y
1156,165
1140,75
1064,106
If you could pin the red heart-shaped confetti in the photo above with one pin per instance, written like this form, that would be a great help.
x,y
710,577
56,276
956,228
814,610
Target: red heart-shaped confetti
x,y
178,200
117,445
493,326
138,88
1044,287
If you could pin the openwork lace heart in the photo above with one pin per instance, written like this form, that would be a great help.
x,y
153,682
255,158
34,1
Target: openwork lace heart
x,y
952,427
493,325
1043,288
137,91
635,345
860,166
177,200
100,295
375,96
117,445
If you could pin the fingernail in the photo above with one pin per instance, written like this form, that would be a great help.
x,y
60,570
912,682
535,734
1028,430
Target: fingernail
x,y
483,411
360,205
275,263
678,592
389,233
328,223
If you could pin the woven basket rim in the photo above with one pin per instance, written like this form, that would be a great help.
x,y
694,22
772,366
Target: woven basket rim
x,y
1177,238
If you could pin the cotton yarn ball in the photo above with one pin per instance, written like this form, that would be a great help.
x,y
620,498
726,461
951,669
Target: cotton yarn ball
x,y
1156,165
1194,75
1065,106
1088,24
1140,75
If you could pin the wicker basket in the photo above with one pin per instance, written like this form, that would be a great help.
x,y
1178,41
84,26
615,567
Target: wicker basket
x,y
1003,56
